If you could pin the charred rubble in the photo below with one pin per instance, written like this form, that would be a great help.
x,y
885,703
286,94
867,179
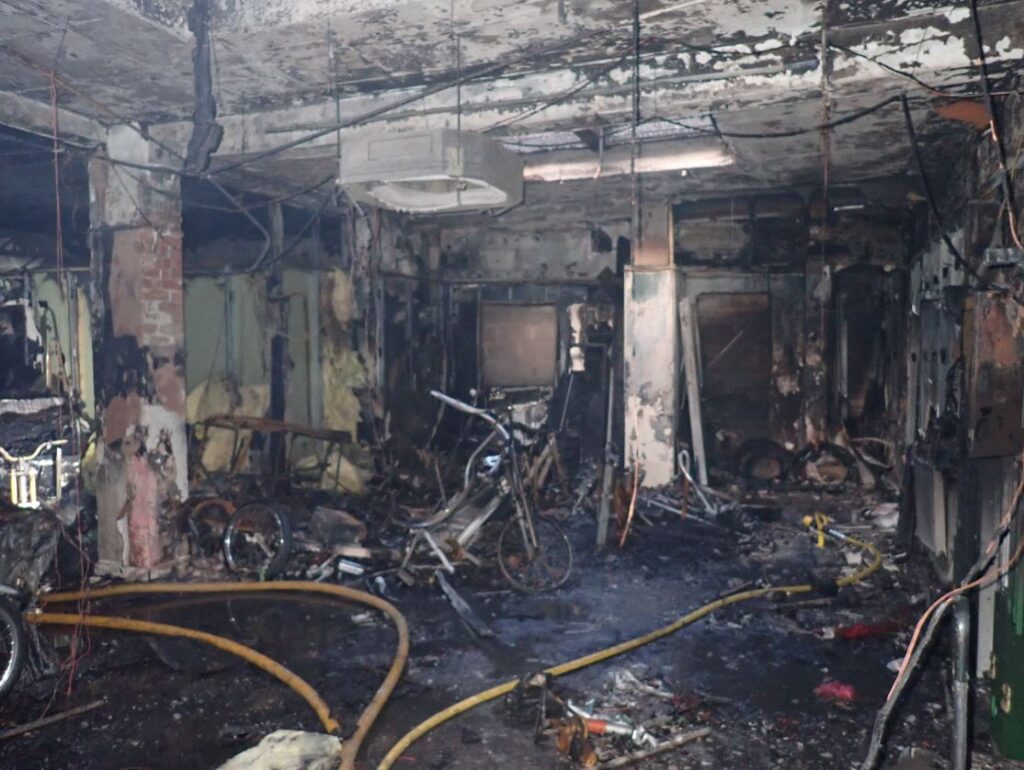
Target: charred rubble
x,y
541,385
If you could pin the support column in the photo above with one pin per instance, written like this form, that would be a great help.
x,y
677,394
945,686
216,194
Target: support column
x,y
651,351
138,323
817,302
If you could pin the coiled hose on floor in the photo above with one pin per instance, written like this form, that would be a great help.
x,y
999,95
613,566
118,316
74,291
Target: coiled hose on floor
x,y
602,655
258,659
352,744
366,720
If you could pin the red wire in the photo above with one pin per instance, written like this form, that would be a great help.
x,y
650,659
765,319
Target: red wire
x,y
55,126
988,578
71,665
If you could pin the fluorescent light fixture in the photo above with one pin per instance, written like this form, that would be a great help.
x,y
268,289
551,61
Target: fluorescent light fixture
x,y
653,158
847,198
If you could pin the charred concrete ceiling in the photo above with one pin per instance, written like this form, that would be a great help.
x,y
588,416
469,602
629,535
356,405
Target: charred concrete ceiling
x,y
286,71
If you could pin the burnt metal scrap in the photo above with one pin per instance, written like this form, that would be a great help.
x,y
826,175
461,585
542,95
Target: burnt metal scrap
x,y
779,422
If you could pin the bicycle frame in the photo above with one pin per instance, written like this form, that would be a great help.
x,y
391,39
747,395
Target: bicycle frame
x,y
507,485
462,541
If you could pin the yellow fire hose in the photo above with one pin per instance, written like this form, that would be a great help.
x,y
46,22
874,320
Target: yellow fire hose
x,y
351,746
271,666
597,657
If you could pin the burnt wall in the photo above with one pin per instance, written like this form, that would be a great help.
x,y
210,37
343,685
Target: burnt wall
x,y
964,375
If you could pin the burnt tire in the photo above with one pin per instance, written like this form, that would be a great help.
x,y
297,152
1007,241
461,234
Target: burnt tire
x,y
207,520
838,463
534,569
13,646
762,461
258,540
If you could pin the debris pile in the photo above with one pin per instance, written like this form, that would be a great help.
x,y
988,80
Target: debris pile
x,y
629,722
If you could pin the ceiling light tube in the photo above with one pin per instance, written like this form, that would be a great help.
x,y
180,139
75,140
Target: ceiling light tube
x,y
664,156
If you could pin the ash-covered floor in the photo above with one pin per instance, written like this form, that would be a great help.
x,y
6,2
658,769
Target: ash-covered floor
x,y
748,673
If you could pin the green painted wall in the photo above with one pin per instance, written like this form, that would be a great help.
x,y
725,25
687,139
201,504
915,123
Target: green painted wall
x,y
227,334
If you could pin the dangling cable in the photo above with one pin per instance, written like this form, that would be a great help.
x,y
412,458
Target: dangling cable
x,y
634,182
929,194
926,627
997,137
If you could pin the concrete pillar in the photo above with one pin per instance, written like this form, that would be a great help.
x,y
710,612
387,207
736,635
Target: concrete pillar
x,y
651,351
138,323
817,304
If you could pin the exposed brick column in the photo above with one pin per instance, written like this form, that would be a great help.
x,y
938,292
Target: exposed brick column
x,y
138,322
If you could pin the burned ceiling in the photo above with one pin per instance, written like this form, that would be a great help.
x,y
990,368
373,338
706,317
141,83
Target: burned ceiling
x,y
286,73
383,292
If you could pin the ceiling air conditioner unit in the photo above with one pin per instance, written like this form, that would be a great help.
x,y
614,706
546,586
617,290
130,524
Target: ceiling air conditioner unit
x,y
439,170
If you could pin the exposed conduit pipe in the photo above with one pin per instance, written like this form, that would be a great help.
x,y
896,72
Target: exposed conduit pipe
x,y
961,684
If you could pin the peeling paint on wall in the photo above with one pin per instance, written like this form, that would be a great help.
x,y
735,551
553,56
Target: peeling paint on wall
x,y
138,325
651,372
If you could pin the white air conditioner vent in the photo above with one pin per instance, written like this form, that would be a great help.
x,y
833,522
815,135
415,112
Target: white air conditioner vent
x,y
439,170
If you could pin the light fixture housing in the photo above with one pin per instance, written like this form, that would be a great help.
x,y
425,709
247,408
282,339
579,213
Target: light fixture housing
x,y
655,157
432,171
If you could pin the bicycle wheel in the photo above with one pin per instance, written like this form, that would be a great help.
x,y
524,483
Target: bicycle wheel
x,y
207,520
12,646
258,539
529,567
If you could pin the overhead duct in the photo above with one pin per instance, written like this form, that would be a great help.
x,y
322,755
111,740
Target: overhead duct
x,y
439,170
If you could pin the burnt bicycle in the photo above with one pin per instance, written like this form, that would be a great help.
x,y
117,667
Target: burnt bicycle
x,y
31,481
533,553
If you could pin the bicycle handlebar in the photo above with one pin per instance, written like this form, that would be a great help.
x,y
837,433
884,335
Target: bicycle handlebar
x,y
476,411
39,450
462,406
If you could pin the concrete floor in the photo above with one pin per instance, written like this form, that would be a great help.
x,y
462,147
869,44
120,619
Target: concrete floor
x,y
748,672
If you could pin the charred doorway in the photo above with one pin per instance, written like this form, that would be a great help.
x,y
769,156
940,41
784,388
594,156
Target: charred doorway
x,y
867,308
735,332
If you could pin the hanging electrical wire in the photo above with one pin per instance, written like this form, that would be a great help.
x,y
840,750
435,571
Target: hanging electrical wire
x,y
63,83
634,142
57,80
929,194
934,90
977,577
297,238
997,137
467,75
556,100
850,118
70,387
531,57
493,68
58,223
